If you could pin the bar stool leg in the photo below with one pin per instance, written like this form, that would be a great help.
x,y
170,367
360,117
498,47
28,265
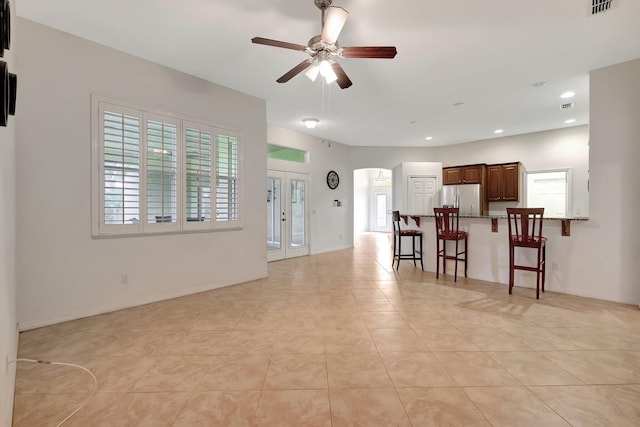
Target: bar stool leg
x,y
511,272
538,277
544,265
466,256
421,263
413,244
399,250
455,271
444,257
437,257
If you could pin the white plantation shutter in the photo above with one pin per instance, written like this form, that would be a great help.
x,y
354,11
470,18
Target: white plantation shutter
x,y
162,169
199,165
157,173
120,202
226,178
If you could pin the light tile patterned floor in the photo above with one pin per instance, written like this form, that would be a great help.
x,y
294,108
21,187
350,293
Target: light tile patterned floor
x,y
340,339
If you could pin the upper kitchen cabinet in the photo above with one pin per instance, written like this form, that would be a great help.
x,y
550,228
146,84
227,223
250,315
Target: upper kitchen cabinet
x,y
503,182
470,174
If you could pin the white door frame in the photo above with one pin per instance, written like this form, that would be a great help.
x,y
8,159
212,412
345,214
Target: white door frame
x,y
288,248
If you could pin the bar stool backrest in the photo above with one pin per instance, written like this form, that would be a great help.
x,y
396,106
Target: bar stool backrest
x,y
525,226
396,221
447,221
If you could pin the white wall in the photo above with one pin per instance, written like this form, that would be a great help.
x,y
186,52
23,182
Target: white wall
x,y
599,259
608,246
331,227
560,148
362,183
389,157
62,272
8,334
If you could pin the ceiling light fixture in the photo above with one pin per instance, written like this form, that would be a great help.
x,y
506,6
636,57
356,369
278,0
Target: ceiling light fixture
x,y
498,131
568,121
568,94
310,122
429,138
323,67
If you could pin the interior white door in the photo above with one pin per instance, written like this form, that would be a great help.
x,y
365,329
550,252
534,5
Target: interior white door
x,y
287,216
422,194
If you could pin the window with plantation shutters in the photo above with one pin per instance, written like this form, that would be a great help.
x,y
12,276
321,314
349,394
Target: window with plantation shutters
x,y
226,177
159,173
121,168
162,145
198,144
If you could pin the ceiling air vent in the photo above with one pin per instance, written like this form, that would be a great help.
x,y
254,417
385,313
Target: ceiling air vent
x,y
601,6
568,105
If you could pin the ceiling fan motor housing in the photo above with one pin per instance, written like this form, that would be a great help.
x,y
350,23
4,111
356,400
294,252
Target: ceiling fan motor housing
x,y
323,4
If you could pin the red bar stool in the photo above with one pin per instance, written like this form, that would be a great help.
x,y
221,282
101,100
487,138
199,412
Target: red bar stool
x,y
447,229
398,234
525,231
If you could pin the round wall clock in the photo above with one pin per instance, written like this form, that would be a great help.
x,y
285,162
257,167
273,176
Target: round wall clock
x,y
333,180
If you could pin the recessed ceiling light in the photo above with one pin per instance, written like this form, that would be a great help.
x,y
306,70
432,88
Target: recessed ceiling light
x,y
568,94
498,131
539,84
570,121
429,138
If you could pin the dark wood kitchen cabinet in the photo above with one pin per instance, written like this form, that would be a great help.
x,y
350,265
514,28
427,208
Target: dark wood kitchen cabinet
x,y
503,182
470,174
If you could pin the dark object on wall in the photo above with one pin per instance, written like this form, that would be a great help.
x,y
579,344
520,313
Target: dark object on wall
x,y
4,93
13,87
6,27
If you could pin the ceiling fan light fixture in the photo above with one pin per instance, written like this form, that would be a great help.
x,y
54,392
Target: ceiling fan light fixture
x,y
327,72
310,122
312,72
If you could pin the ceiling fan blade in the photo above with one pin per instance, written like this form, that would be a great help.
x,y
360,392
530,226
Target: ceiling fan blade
x,y
295,71
343,80
369,52
336,17
278,43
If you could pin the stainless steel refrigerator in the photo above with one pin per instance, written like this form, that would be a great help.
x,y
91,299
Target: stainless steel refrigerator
x,y
467,197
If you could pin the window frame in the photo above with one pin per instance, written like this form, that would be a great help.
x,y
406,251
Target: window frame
x,y
198,225
99,105
568,189
228,223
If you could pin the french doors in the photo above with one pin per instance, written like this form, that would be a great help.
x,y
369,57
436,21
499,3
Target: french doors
x,y
287,225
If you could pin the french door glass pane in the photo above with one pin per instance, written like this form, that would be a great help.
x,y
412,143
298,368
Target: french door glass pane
x,y
273,214
297,237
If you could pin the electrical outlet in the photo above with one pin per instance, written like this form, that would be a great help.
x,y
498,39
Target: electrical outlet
x,y
124,279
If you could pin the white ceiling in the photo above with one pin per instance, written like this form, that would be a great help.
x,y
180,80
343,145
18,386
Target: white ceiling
x,y
483,53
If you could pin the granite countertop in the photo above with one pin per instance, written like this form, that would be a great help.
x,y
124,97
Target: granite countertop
x,y
577,218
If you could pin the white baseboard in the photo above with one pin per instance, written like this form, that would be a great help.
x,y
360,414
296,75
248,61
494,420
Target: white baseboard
x,y
39,323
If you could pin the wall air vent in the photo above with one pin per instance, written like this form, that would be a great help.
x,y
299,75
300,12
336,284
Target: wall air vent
x,y
566,106
600,6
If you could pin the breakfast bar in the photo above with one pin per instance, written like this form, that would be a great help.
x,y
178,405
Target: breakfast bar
x,y
488,252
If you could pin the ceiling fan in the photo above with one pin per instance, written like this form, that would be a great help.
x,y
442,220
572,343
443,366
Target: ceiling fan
x,y
324,48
